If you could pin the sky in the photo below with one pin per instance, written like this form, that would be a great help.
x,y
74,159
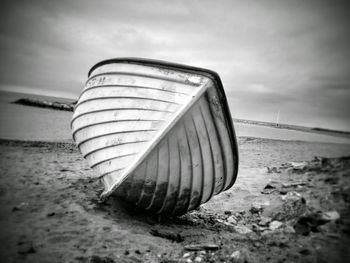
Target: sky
x,y
273,55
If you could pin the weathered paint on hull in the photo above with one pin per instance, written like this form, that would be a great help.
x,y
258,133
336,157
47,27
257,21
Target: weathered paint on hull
x,y
159,135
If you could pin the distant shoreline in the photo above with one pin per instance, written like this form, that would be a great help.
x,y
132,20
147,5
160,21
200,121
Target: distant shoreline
x,y
69,106
296,128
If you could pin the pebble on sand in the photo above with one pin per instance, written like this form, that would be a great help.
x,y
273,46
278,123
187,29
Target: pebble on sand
x,y
236,254
242,229
232,220
275,225
330,216
264,220
20,206
198,247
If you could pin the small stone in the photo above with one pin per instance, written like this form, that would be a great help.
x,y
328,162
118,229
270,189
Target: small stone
x,y
20,206
289,229
50,214
257,244
298,165
318,247
228,224
189,260
330,216
290,207
293,195
220,221
313,222
227,212
255,209
232,220
264,221
242,229
294,184
186,255
283,192
197,247
269,188
198,259
275,224
236,254
257,228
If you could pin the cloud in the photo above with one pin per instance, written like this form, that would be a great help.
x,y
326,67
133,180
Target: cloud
x,y
271,54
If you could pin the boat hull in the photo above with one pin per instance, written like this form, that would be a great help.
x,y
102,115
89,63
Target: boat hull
x,y
159,135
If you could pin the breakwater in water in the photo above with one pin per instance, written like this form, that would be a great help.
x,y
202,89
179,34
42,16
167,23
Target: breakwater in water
x,y
46,104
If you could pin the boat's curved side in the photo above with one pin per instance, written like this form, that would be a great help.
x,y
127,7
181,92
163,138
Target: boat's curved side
x,y
191,164
160,138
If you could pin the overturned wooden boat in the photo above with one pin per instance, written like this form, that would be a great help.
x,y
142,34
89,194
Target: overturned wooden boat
x,y
159,135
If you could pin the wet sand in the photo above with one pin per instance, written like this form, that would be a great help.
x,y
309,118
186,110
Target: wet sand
x,y
276,212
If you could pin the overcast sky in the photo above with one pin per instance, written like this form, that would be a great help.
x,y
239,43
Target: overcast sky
x,y
271,55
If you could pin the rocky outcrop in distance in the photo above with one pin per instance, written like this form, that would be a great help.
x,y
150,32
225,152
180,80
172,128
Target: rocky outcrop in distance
x,y
46,104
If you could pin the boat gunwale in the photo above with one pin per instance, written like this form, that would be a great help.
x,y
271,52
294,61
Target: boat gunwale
x,y
139,75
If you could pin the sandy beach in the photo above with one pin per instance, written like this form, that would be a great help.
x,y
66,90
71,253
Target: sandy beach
x,y
286,206
166,104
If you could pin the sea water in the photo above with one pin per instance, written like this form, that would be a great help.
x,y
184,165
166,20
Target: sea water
x,y
250,130
20,122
